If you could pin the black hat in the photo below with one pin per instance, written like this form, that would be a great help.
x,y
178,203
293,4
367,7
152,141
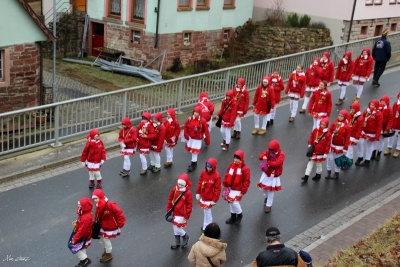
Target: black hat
x,y
212,231
305,257
272,231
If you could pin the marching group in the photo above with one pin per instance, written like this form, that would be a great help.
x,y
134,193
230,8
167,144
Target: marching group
x,y
326,143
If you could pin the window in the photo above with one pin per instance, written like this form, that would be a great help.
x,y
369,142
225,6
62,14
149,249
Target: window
x,y
136,36
378,30
369,2
4,67
187,38
1,66
391,2
114,8
229,4
378,2
226,34
203,5
364,30
185,5
393,27
138,10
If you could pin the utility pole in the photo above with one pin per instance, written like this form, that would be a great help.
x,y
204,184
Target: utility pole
x,y
54,86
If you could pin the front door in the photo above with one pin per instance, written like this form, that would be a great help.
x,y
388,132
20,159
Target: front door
x,y
97,37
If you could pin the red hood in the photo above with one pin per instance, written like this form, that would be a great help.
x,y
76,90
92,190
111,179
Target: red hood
x,y
386,99
158,116
348,53
326,121
86,205
241,81
376,103
345,114
198,110
93,132
240,153
171,112
327,55
274,145
203,95
147,115
127,122
98,193
185,177
368,51
356,106
230,93
213,163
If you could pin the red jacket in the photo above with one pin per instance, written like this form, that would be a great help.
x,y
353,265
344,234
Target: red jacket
x,y
146,134
362,66
207,107
340,132
320,101
209,185
327,69
396,115
296,84
196,128
313,75
387,114
128,135
356,123
110,214
230,107
372,123
345,70
275,167
235,181
278,86
94,151
172,129
184,206
324,144
242,99
158,142
84,223
264,100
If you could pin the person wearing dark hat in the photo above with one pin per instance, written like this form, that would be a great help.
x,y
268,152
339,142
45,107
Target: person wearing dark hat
x,y
381,52
306,258
209,250
276,253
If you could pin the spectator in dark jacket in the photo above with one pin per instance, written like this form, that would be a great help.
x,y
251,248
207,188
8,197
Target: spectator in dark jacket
x,y
381,52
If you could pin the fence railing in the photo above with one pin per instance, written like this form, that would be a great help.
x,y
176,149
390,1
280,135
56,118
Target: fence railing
x,y
53,123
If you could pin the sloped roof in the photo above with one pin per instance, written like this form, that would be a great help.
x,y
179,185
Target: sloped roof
x,y
36,19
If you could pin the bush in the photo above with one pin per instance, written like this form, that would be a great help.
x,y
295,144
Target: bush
x,y
176,65
203,65
318,25
275,16
292,19
304,21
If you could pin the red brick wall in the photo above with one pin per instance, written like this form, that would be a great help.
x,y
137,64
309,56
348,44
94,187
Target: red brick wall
x,y
204,44
24,88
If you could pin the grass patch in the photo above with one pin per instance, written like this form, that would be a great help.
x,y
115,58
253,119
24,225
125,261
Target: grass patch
x,y
381,248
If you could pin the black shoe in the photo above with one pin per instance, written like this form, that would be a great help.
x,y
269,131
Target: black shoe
x,y
177,242
268,123
378,156
335,176
365,163
358,161
271,122
234,134
373,155
374,82
84,263
185,240
239,218
192,167
316,177
232,219
305,178
328,175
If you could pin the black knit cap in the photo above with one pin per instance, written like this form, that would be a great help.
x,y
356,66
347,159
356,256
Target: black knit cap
x,y
272,231
212,231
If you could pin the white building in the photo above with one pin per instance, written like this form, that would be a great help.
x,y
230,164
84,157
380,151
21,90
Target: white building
x,y
369,19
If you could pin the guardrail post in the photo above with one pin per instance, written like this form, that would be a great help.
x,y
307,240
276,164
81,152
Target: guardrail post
x,y
56,127
124,104
228,75
179,104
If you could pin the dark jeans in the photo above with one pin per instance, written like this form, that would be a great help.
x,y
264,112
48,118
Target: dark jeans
x,y
379,69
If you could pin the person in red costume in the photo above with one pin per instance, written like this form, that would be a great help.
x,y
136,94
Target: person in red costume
x,y
340,131
387,124
356,125
371,132
241,95
157,143
172,132
327,68
312,82
228,112
181,196
263,103
194,131
270,181
277,84
320,138
343,75
208,190
83,229
396,129
127,138
207,108
237,180
362,70
295,90
320,104
93,157
111,219
146,134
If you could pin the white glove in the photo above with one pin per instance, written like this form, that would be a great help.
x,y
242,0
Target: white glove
x,y
173,139
344,152
325,156
122,144
83,164
309,145
356,141
213,203
101,162
198,196
328,84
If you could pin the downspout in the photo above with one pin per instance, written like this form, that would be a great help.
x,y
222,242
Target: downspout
x,y
157,10
351,20
41,89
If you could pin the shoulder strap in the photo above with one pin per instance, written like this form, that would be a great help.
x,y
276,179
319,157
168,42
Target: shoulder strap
x,y
176,202
211,263
317,141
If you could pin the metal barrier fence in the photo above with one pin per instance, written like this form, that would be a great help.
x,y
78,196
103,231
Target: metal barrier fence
x,y
50,124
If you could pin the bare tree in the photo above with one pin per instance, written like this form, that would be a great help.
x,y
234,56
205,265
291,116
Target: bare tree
x,y
275,16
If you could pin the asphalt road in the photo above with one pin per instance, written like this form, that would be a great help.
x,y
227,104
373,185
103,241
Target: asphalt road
x,y
36,218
